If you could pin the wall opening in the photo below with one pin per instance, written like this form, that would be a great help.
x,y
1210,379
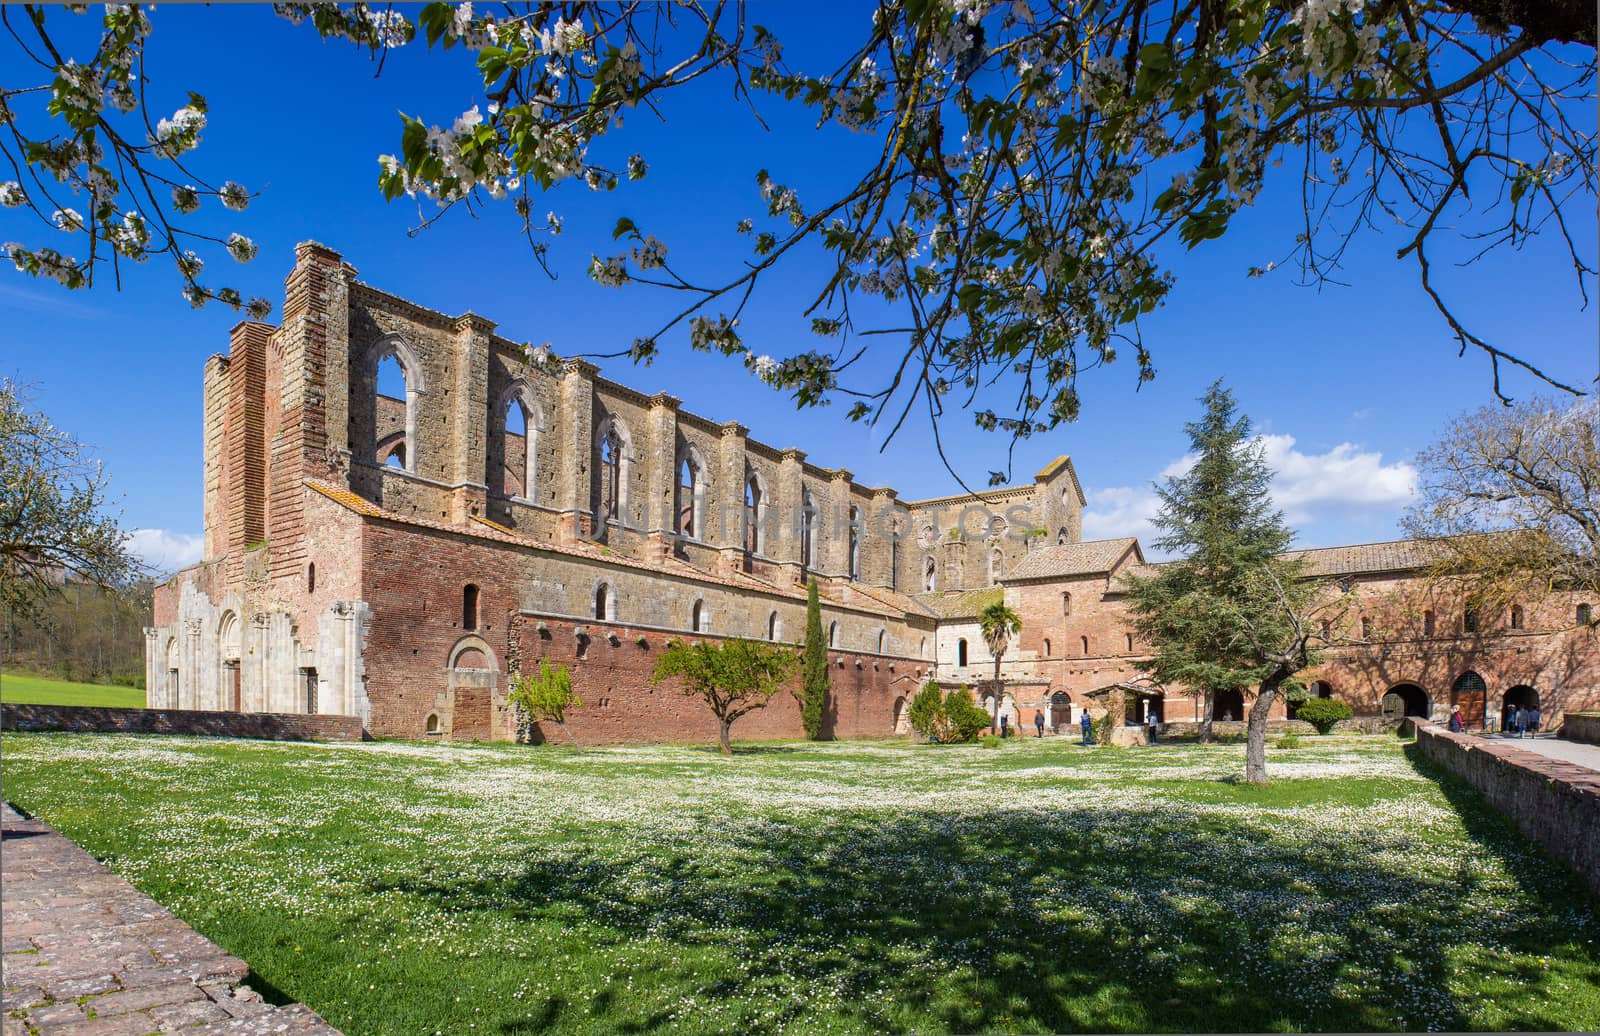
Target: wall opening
x,y
1227,705
961,651
433,724
1405,699
833,634
755,514
308,679
1047,647
808,530
311,578
855,543
774,626
1084,643
469,606
1516,616
697,617
691,496
1519,697
395,388
605,605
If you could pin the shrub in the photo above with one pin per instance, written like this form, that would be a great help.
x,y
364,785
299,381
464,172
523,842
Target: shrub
x,y
926,714
1102,729
966,720
1323,713
951,719
990,741
1288,741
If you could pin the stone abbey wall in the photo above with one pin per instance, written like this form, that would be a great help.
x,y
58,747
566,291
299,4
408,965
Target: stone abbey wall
x,y
376,554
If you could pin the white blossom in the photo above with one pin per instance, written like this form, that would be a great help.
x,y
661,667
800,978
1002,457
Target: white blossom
x,y
12,194
242,248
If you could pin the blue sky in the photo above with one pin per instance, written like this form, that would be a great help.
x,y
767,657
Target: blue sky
x,y
1348,382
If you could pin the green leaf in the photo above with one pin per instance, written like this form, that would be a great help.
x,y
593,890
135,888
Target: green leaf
x,y
624,226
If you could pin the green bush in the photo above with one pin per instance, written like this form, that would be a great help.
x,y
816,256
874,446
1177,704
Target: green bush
x,y
1102,729
1323,713
926,714
967,721
947,720
1288,741
990,741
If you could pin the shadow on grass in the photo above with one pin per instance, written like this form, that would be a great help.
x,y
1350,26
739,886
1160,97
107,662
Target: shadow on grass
x,y
1166,918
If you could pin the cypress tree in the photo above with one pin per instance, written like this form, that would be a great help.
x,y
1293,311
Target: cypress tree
x,y
814,669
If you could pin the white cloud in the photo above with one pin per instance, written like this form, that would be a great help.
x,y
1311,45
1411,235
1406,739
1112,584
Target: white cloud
x,y
164,551
1342,483
1309,485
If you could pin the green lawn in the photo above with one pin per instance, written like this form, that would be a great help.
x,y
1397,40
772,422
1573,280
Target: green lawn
x,y
42,690
408,888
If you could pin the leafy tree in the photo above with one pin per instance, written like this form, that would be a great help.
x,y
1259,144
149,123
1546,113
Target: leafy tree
x,y
813,696
546,696
1231,612
1323,713
1040,163
734,678
52,512
998,624
1509,502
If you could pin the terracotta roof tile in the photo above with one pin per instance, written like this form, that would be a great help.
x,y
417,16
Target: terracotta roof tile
x,y
1075,559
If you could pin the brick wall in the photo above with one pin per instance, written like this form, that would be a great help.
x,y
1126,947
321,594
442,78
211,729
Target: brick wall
x,y
262,725
1555,803
621,705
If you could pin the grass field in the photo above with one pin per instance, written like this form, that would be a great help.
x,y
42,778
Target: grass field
x,y
42,690
406,888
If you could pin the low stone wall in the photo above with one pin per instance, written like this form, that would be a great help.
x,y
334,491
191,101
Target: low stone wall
x,y
1555,803
1582,726
1223,730
267,726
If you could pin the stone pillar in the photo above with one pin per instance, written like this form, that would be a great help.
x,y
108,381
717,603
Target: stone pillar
x,y
214,397
469,417
657,449
883,558
834,533
787,493
726,527
575,431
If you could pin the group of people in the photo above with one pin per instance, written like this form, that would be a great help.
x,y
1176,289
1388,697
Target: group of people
x,y
1523,722
1520,721
1085,723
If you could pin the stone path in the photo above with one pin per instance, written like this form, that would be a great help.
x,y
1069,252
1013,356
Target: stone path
x,y
1576,752
86,953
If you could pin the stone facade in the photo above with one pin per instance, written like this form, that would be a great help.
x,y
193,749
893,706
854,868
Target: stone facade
x,y
397,555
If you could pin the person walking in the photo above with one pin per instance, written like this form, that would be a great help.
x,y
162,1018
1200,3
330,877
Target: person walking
x,y
1455,719
1151,722
1515,726
1088,727
1004,719
1038,723
1530,720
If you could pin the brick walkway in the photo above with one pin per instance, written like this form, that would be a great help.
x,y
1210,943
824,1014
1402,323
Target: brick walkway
x,y
88,954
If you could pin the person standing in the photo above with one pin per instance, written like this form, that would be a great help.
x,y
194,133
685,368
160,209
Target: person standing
x,y
1004,720
1515,726
1151,722
1038,723
1455,719
1530,721
1088,727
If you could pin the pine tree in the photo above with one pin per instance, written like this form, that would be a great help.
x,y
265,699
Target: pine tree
x,y
1230,613
814,671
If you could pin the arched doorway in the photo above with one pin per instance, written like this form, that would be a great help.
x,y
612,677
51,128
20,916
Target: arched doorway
x,y
1470,693
1521,697
1060,710
902,721
229,688
1227,705
1405,699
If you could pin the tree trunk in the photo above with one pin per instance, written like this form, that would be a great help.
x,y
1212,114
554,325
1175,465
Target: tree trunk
x,y
564,730
1205,718
1255,751
727,749
999,697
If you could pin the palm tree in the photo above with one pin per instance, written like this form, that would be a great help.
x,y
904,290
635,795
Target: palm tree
x,y
998,625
